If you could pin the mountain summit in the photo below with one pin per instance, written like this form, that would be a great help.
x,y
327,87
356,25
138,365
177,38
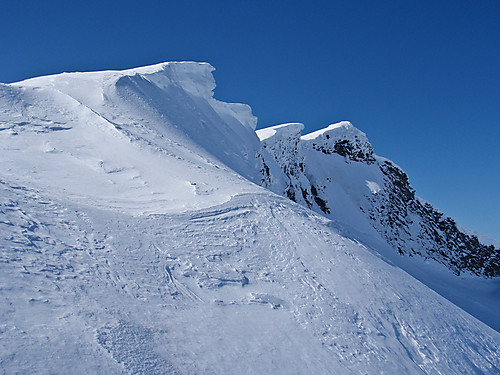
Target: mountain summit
x,y
146,227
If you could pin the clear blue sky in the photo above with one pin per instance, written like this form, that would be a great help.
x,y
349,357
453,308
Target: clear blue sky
x,y
421,78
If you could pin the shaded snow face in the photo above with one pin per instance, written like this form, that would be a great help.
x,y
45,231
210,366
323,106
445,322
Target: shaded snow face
x,y
184,107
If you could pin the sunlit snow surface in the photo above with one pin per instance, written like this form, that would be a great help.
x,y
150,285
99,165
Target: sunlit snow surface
x,y
132,241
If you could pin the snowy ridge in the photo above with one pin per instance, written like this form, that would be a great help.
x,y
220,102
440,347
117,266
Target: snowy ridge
x,y
291,129
134,238
341,178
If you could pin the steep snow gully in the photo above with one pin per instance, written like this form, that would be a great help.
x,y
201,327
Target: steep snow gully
x,y
147,228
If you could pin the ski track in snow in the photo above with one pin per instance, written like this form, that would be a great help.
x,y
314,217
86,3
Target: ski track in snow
x,y
153,292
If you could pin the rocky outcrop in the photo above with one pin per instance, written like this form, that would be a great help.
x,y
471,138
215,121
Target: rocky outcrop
x,y
335,172
414,227
342,139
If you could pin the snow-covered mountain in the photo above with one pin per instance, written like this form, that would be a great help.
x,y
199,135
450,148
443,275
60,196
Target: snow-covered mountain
x,y
335,172
141,232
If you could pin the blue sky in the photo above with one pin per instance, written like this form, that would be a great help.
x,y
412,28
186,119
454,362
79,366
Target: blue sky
x,y
421,78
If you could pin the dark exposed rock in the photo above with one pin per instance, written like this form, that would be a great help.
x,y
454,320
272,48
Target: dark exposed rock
x,y
350,150
438,236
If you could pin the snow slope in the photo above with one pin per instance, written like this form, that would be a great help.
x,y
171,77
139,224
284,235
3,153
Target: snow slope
x,y
133,239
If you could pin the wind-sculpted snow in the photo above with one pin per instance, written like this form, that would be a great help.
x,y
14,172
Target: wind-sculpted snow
x,y
170,100
133,240
116,140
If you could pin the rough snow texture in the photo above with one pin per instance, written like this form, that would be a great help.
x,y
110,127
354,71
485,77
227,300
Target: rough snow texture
x,y
134,239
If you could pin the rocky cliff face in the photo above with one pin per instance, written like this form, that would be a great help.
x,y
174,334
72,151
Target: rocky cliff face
x,y
335,172
283,162
414,227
